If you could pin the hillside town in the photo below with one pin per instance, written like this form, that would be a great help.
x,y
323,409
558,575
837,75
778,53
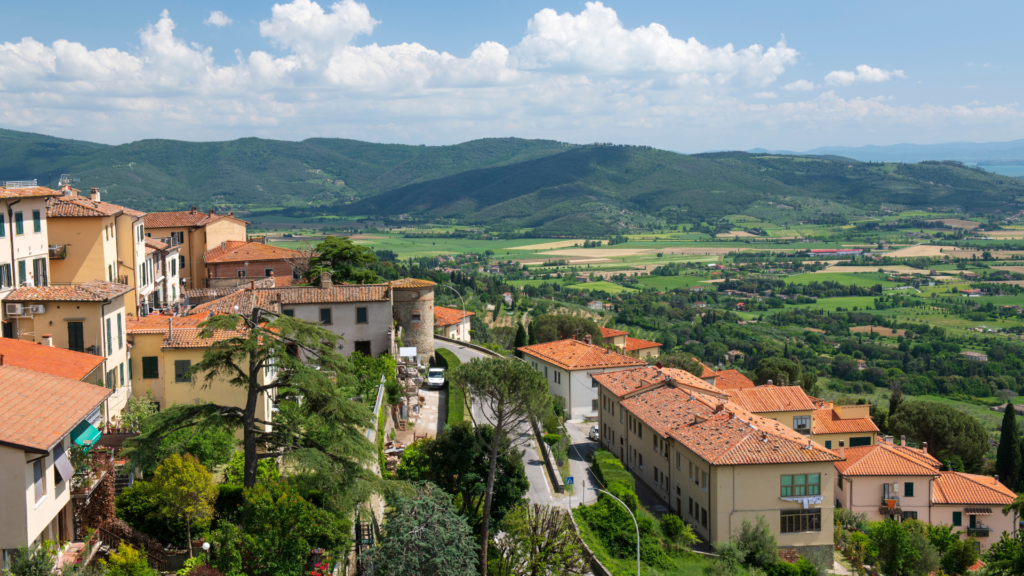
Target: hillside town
x,y
162,357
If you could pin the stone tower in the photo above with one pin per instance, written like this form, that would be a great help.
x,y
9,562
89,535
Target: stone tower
x,y
414,310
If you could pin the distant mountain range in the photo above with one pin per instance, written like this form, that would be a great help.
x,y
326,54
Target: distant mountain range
x,y
551,187
980,153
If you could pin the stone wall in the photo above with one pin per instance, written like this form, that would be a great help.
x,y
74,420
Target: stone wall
x,y
414,310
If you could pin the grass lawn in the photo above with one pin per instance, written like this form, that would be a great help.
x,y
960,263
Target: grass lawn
x,y
671,282
865,279
605,286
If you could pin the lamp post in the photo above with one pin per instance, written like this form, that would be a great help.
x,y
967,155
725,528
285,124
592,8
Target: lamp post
x,y
450,287
206,549
595,489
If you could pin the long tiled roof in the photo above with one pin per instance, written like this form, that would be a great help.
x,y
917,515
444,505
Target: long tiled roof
x,y
407,283
193,338
185,219
733,380
40,409
448,316
92,291
708,372
624,382
48,359
152,245
578,355
268,297
826,421
83,206
884,459
773,399
633,344
722,433
30,192
961,488
235,251
612,333
157,323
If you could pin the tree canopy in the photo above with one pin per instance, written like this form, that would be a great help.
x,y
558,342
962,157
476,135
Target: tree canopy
x,y
346,261
948,431
551,327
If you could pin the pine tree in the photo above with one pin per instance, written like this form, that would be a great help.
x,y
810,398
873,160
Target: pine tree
x,y
1008,456
520,339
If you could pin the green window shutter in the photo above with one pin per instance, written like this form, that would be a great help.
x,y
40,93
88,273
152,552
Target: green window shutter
x,y
958,519
180,369
37,221
361,316
129,370
3,226
150,367
908,488
828,444
110,338
19,223
122,374
120,333
862,441
22,273
289,313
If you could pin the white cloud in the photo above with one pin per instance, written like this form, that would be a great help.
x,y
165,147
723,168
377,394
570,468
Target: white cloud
x,y
863,73
799,86
765,95
312,34
218,19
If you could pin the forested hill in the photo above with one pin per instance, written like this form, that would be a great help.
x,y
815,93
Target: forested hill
x,y
556,187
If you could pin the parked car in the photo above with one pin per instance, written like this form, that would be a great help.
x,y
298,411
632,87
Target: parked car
x,y
435,377
594,434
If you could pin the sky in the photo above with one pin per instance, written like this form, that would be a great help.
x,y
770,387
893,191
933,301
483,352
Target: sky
x,y
682,75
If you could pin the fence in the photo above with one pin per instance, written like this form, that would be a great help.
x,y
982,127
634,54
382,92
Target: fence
x,y
156,560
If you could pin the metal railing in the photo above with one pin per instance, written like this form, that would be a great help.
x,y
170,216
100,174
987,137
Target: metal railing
x,y
19,184
58,252
156,560
171,241
978,531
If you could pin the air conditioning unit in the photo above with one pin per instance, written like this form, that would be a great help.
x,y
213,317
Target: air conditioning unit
x,y
38,309
14,310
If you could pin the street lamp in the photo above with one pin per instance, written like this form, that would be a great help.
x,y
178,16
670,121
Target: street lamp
x,y
206,549
595,489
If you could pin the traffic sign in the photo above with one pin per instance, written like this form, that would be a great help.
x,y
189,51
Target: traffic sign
x,y
568,480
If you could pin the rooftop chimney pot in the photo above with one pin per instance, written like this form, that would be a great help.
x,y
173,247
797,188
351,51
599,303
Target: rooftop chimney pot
x,y
588,339
193,209
94,194
170,328
903,439
47,340
842,449
325,280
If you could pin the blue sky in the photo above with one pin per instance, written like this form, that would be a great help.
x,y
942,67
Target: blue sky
x,y
686,76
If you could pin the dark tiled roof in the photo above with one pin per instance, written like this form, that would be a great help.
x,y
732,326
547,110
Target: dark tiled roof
x,y
92,291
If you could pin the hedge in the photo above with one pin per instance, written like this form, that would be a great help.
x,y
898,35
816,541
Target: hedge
x,y
456,393
615,478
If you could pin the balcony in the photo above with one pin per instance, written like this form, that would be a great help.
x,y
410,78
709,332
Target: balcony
x,y
171,241
58,251
980,531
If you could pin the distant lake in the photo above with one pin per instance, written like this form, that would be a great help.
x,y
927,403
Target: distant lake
x,y
1014,171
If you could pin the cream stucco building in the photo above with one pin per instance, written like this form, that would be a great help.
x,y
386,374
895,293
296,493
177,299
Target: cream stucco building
x,y
24,244
195,233
452,323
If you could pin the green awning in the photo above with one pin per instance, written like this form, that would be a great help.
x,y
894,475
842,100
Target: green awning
x,y
85,434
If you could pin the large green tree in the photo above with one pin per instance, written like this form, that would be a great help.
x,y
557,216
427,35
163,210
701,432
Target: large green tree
x,y
948,431
1008,457
683,361
320,437
895,548
551,327
184,490
346,261
779,370
539,541
424,535
505,391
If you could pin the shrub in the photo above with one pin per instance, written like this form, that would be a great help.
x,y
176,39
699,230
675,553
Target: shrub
x,y
266,470
552,439
758,543
456,393
674,528
191,564
137,507
609,470
127,561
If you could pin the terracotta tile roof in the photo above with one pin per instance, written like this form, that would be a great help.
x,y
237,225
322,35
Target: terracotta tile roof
x,y
634,344
83,206
578,355
192,338
405,283
155,244
40,409
612,333
625,382
773,399
48,359
708,372
31,192
267,298
961,488
91,291
826,421
733,380
722,433
186,219
448,316
884,459
235,251
157,323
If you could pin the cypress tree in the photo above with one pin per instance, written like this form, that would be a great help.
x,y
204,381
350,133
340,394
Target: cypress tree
x,y
1008,456
533,336
520,339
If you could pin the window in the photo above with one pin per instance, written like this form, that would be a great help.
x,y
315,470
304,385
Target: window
x,y
361,316
908,515
801,485
3,226
110,272
38,480
705,486
120,333
415,316
122,374
112,379
679,462
181,368
288,313
908,488
363,347
174,266
6,276
22,272
181,262
19,223
268,271
958,519
110,338
640,460
828,444
545,372
295,273
593,405
703,517
690,509
129,370
862,441
37,221
180,236
691,469
802,424
150,367
241,273
801,521
325,315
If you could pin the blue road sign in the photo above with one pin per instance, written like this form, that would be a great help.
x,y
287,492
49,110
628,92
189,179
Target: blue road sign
x,y
568,480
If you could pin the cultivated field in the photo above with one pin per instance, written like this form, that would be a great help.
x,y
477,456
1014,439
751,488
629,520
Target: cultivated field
x,y
880,330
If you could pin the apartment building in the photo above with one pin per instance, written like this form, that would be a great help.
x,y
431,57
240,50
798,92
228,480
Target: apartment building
x,y
41,417
195,233
96,240
888,480
88,318
713,462
160,273
569,367
149,367
452,323
626,344
233,263
24,244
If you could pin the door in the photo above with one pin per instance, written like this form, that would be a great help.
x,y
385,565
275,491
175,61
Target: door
x,y
679,507
62,525
76,337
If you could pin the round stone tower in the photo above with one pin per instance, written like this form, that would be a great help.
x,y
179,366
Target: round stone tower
x,y
413,302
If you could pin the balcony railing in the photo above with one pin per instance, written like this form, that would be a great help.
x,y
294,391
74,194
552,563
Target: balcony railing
x,y
981,531
171,241
58,252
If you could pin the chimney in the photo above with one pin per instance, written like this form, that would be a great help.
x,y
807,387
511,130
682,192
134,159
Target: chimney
x,y
764,436
193,210
903,439
211,211
325,280
842,449
47,340
94,194
232,214
809,445
588,339
170,328
769,382
924,446
997,479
